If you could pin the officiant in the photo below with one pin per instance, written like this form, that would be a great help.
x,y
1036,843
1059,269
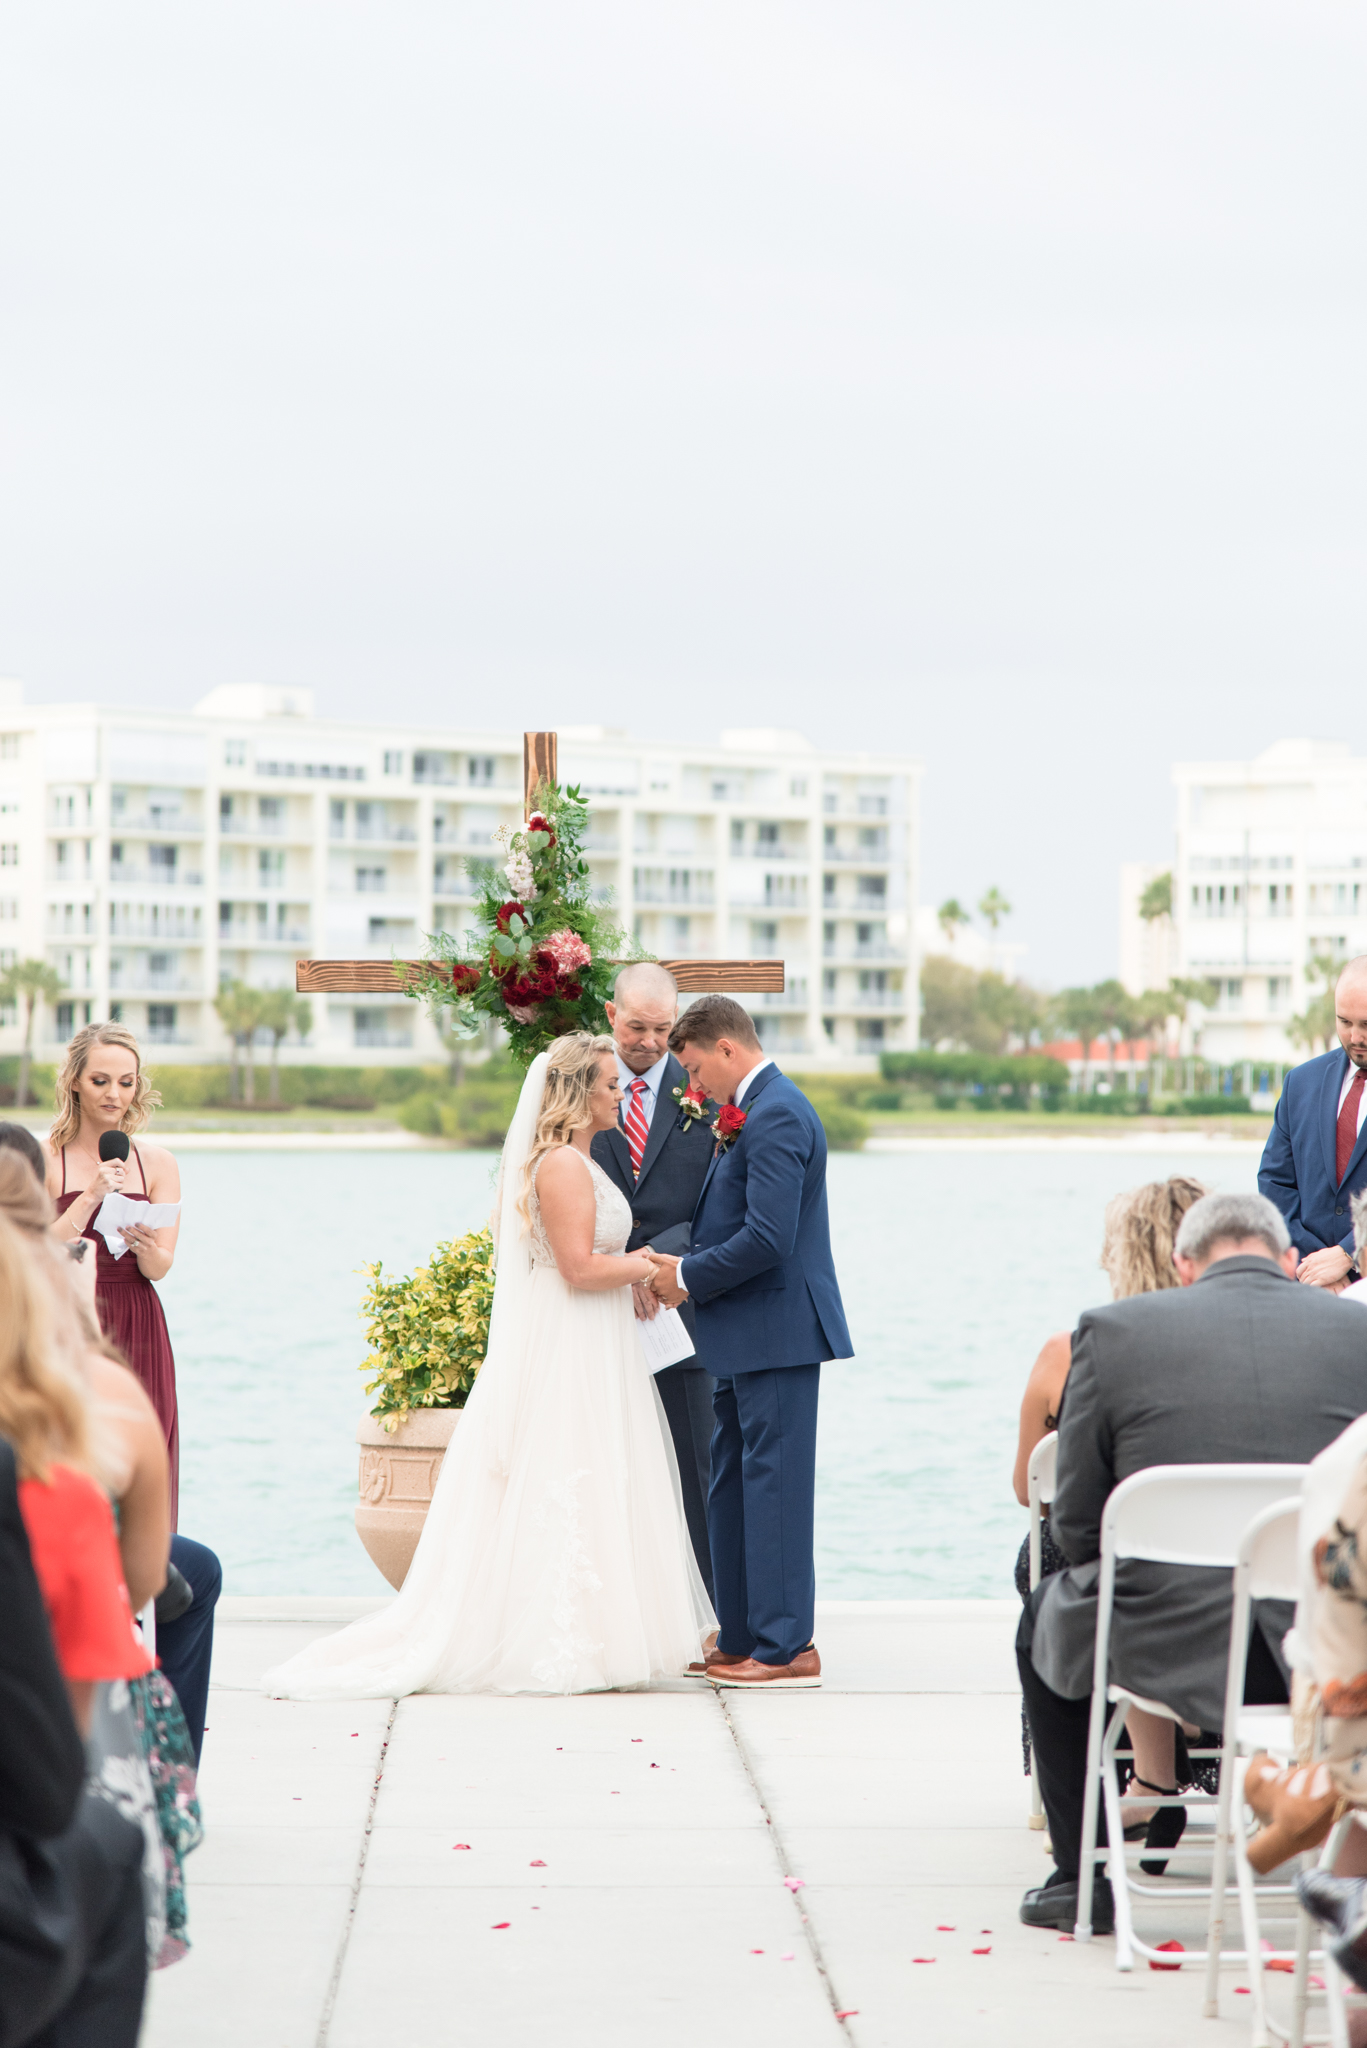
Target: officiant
x,y
659,1157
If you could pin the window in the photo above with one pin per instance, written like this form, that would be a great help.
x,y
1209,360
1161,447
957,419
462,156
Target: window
x,y
161,1023
828,932
766,833
271,809
873,807
234,753
828,1026
9,854
763,933
370,881
9,906
677,931
337,818
66,1019
162,862
270,868
225,812
787,891
873,839
393,762
365,821
1231,994
828,839
737,834
1278,992
868,1033
372,1027
872,888
480,769
828,888
798,786
9,746
828,982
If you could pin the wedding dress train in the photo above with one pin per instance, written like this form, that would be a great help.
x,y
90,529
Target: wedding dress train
x,y
555,1556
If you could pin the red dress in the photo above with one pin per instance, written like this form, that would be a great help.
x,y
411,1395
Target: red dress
x,y
131,1317
70,1528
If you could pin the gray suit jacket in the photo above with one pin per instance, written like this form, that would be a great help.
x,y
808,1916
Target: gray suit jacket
x,y
1246,1367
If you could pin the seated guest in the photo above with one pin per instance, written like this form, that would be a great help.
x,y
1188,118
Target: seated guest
x,y
1236,1366
1136,1256
73,1954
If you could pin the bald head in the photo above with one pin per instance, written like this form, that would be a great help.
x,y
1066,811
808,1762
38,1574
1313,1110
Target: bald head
x,y
642,1012
1350,1010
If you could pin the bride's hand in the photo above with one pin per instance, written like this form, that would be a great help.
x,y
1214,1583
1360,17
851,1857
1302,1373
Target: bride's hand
x,y
644,1302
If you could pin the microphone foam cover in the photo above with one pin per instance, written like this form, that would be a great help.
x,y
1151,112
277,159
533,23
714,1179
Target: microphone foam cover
x,y
114,1145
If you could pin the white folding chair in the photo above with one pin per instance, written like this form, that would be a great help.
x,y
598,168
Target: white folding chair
x,y
1040,1476
1266,1569
1341,1994
1169,1514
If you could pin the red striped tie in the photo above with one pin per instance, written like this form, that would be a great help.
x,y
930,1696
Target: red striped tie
x,y
638,1130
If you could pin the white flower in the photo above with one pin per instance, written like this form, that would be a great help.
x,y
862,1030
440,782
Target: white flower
x,y
519,873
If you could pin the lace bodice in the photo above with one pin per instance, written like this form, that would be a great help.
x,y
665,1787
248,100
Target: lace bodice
x,y
612,1224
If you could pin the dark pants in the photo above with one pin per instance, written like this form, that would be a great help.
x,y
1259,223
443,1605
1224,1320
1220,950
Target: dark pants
x,y
760,1508
1058,1734
185,1647
86,1990
686,1392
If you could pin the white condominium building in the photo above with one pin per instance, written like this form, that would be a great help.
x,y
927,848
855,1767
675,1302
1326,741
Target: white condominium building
x,y
152,856
1271,870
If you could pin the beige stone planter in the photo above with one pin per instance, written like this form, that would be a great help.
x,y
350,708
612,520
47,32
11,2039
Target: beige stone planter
x,y
398,1473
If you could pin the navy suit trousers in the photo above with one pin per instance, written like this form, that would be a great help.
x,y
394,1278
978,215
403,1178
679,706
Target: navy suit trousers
x,y
759,1511
185,1648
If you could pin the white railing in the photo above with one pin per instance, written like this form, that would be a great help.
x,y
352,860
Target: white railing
x,y
121,877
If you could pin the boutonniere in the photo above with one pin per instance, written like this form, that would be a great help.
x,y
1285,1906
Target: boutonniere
x,y
692,1106
729,1125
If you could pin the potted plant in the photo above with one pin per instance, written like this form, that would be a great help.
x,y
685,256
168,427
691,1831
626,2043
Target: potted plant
x,y
428,1334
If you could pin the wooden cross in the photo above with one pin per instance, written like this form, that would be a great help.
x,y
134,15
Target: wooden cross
x,y
382,977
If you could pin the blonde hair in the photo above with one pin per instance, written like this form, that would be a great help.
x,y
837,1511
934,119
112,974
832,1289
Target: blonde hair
x,y
42,1403
1141,1230
68,1119
572,1072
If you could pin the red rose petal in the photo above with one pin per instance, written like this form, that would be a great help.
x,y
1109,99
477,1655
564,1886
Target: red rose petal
x,y
498,1924
852,2013
536,1864
757,1951
638,1738
943,1927
982,1951
1168,1948
460,1845
1240,1990
923,1959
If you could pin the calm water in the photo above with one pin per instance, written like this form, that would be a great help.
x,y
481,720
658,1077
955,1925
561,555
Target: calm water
x,y
954,1269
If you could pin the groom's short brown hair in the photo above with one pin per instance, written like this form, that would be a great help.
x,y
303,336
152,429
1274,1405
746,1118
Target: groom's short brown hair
x,y
711,1018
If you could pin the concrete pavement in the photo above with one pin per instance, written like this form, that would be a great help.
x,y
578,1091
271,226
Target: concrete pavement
x,y
612,1868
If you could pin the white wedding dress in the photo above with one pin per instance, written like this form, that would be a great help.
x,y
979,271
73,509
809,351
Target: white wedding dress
x,y
555,1557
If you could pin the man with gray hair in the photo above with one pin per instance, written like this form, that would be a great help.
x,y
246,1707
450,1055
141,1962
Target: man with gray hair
x,y
1236,1366
659,1158
1315,1159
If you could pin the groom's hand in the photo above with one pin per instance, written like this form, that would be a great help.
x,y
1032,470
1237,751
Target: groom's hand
x,y
664,1281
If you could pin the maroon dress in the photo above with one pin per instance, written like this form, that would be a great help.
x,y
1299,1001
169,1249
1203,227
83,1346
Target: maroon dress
x,y
131,1317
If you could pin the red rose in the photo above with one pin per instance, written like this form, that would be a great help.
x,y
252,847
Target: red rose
x,y
538,823
464,980
693,1093
507,911
571,991
730,1121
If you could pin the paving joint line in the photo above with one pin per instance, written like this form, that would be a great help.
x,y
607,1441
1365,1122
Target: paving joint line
x,y
809,1933
335,1980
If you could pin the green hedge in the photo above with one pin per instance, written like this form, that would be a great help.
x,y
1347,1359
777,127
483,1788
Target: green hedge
x,y
969,1069
1210,1105
305,1087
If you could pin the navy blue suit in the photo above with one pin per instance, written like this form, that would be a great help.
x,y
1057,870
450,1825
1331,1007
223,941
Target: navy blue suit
x,y
762,1282
1297,1168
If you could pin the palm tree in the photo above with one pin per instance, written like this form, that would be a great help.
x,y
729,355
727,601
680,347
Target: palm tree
x,y
1151,1013
951,915
1315,1025
1117,1010
1080,1010
280,1011
1187,995
240,1012
29,982
994,907
1156,900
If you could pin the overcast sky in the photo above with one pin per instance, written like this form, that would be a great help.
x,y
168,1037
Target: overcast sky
x,y
975,379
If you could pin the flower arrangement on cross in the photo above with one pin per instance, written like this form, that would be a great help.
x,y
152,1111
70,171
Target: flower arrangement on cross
x,y
542,952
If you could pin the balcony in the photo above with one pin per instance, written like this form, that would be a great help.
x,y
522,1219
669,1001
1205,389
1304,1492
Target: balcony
x,y
261,828
873,949
375,835
245,939
794,998
121,876
158,827
383,1039
130,982
601,842
876,999
858,857
683,899
754,851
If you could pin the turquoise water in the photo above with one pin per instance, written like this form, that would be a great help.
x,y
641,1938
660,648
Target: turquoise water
x,y
954,1269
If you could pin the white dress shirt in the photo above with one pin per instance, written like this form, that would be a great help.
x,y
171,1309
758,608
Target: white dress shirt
x,y
741,1087
654,1080
1348,1081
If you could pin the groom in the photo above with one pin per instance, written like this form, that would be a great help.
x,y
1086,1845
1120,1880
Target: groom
x,y
762,1282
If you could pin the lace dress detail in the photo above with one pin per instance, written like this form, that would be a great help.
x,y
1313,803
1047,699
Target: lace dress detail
x,y
612,1214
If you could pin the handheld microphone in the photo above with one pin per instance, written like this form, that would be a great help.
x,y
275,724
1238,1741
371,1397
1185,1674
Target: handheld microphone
x,y
114,1145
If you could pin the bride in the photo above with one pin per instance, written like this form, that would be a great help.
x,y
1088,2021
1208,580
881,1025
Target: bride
x,y
555,1557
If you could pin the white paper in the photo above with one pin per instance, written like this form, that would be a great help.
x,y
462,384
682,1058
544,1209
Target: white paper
x,y
118,1210
664,1339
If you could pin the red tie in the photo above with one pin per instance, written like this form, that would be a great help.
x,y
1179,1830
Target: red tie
x,y
1348,1127
638,1130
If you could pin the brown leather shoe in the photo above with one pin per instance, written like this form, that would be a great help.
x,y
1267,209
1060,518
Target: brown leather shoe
x,y
804,1673
714,1657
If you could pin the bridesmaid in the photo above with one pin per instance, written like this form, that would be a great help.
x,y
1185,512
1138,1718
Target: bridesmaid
x,y
102,1088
